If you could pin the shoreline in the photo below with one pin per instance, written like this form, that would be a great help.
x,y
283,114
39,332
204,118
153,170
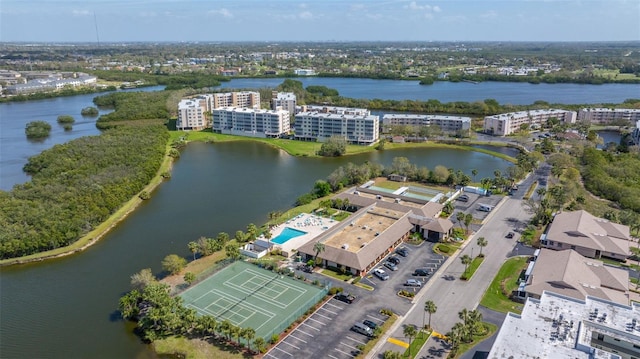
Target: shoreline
x,y
101,230
128,207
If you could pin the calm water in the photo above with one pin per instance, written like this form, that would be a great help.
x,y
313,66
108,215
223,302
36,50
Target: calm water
x,y
503,92
65,308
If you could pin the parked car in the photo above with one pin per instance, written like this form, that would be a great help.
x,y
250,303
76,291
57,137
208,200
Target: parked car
x,y
510,235
362,329
402,251
463,198
393,259
370,324
345,297
421,272
381,274
391,266
413,283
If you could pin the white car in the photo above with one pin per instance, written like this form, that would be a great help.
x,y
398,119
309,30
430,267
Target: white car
x,y
413,283
381,274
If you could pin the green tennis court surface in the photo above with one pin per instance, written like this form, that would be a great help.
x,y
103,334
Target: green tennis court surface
x,y
252,297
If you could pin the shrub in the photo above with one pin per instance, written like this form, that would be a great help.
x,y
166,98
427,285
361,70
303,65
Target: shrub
x,y
37,129
67,127
62,119
144,195
387,312
274,338
89,111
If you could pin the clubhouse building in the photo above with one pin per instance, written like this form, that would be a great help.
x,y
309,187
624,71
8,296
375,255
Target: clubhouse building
x,y
381,223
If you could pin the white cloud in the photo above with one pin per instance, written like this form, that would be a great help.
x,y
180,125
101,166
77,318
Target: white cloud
x,y
148,14
374,16
415,6
436,8
81,12
491,14
303,6
306,15
357,7
223,12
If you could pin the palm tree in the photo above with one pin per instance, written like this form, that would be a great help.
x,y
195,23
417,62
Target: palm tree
x,y
468,218
194,248
248,334
236,332
259,342
429,307
318,248
224,327
410,332
474,173
460,218
481,242
466,260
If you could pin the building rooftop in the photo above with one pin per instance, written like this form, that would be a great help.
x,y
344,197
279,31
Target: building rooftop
x,y
556,326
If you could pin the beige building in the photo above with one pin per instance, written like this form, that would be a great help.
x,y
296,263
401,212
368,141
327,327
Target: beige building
x,y
603,116
509,123
380,224
245,99
446,123
284,100
250,122
572,275
588,235
191,115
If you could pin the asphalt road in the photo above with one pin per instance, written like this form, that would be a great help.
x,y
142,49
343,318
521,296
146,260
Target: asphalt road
x,y
449,293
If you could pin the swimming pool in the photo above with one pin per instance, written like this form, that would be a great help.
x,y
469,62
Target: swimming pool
x,y
287,234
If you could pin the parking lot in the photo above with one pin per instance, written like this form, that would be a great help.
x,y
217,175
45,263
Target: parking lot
x,y
473,206
327,332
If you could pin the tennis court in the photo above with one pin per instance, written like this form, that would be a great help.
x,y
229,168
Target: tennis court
x,y
252,297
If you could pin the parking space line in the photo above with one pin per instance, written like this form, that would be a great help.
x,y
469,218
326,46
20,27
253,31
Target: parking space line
x,y
293,336
303,332
349,354
285,342
289,354
324,316
333,305
321,323
375,318
355,340
310,326
323,308
270,355
347,345
331,356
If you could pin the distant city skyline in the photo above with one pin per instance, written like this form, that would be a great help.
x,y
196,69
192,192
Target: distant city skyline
x,y
321,20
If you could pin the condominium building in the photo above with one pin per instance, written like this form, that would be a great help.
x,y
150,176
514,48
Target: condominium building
x,y
46,85
284,100
635,134
557,326
246,99
191,115
603,116
508,123
446,123
320,126
250,122
334,109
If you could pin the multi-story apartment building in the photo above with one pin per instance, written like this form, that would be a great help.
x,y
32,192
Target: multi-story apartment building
x,y
191,115
446,123
334,109
603,116
46,85
284,100
250,122
245,99
320,126
507,123
635,134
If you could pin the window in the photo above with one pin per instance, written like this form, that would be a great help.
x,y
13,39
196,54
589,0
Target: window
x,y
573,247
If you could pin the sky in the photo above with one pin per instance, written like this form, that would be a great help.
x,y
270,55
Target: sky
x,y
318,20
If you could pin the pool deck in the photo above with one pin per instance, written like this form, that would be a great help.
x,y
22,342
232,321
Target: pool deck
x,y
310,223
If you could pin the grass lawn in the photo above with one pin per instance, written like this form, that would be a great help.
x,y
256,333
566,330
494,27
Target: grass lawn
x,y
465,347
416,344
494,298
446,249
372,343
475,263
333,274
394,185
181,347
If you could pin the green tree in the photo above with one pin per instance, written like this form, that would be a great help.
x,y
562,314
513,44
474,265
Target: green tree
x,y
430,307
460,216
252,232
129,304
321,188
248,334
194,248
240,236
173,263
468,218
142,279
318,247
260,343
466,260
410,332
37,129
474,173
65,119
481,242
189,277
335,146
233,251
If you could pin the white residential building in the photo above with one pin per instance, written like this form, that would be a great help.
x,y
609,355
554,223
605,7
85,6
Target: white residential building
x,y
446,123
557,326
246,99
320,126
250,122
191,115
334,109
304,72
603,116
507,123
284,100
635,134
